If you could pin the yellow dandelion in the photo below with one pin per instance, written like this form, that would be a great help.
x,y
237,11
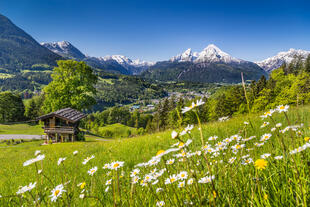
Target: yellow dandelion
x,y
265,196
260,164
214,194
307,139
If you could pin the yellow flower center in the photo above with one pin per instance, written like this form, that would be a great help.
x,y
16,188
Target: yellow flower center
x,y
307,139
282,107
83,185
172,179
181,144
238,146
115,165
160,152
56,192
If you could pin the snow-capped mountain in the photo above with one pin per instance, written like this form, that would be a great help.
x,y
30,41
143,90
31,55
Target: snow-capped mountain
x,y
128,63
211,54
187,56
275,62
119,63
65,49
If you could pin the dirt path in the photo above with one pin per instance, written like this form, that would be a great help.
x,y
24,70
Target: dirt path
x,y
20,136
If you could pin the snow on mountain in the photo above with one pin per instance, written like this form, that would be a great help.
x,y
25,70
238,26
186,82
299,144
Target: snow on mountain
x,y
186,56
126,62
210,54
65,49
275,62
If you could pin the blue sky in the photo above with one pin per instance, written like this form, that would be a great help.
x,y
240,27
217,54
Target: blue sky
x,y
157,30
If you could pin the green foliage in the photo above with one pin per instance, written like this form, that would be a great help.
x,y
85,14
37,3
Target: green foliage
x,y
118,131
33,107
11,107
72,86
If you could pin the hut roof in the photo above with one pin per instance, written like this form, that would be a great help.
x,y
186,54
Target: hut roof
x,y
68,114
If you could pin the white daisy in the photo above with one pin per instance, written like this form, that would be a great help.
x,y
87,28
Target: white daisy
x,y
92,170
57,192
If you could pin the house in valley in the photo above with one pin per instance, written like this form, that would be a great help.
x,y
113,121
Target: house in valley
x,y
62,125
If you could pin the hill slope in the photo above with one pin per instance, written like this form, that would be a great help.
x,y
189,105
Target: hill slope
x,y
18,50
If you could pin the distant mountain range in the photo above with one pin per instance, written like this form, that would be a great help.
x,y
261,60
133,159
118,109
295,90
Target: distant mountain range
x,y
19,51
118,63
275,62
209,65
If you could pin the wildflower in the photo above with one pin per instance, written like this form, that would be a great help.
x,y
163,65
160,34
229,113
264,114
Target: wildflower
x,y
134,172
198,103
212,138
37,152
40,171
260,164
224,118
265,137
160,203
115,165
259,144
61,160
264,156
57,192
31,161
238,146
273,129
206,179
171,179
92,171
307,139
106,166
82,196
236,137
155,182
264,124
187,130
278,157
232,160
159,190
181,184
248,139
282,108
247,161
227,140
75,152
265,196
87,159
170,162
190,181
107,189
278,125
153,161
148,178
26,188
268,113
246,123
174,134
82,185
135,179
182,175
108,182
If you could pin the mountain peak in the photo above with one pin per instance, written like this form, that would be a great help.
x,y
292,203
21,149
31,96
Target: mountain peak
x,y
287,57
65,49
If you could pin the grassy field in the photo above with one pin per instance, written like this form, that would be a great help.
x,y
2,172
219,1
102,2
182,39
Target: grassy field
x,y
21,129
237,180
117,131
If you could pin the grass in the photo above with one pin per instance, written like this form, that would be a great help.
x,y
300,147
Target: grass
x,y
283,182
27,129
117,131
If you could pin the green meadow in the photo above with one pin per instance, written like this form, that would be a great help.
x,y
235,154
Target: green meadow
x,y
238,180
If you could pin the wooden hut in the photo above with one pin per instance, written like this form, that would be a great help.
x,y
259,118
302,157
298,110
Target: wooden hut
x,y
62,125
